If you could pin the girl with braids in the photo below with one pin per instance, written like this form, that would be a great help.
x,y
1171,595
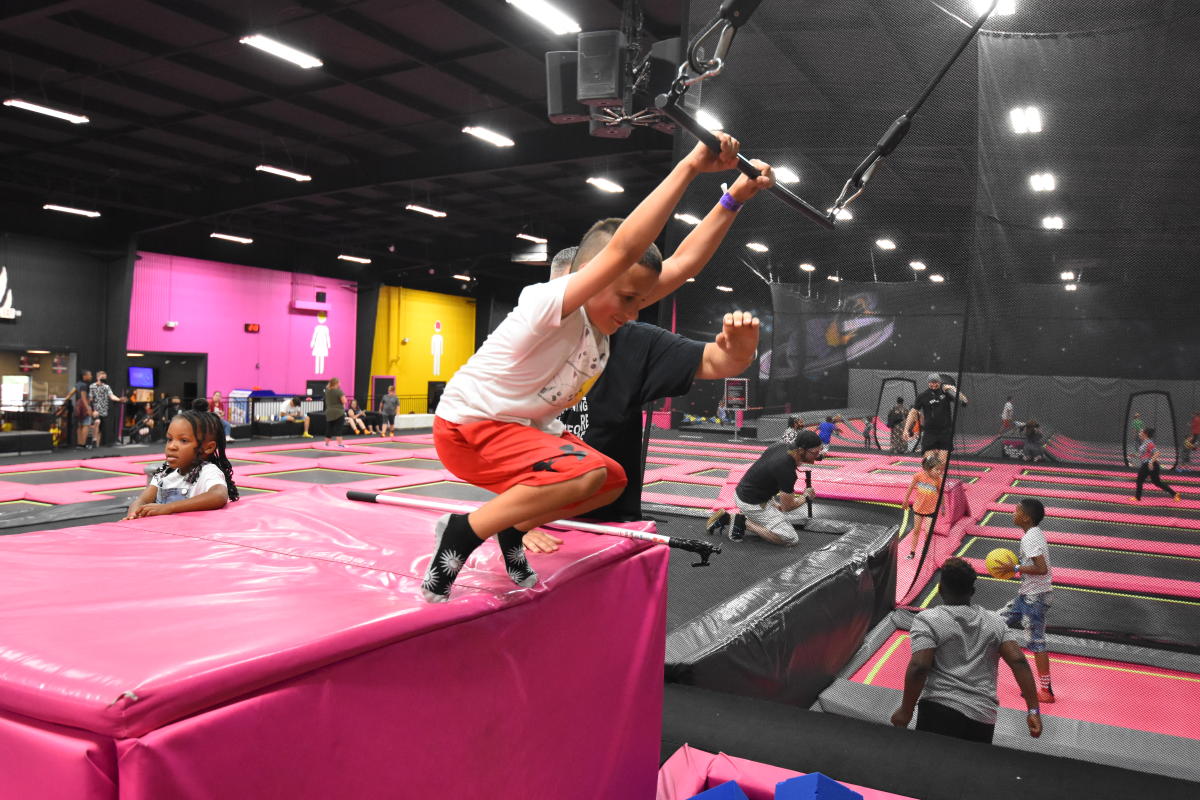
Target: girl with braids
x,y
196,475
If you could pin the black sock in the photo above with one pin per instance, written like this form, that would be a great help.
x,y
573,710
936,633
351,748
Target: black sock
x,y
455,541
512,547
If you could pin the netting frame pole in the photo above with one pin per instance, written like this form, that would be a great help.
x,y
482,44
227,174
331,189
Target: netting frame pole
x,y
1126,425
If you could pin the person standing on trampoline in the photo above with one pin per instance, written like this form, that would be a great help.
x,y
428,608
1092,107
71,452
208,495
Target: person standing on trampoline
x,y
927,484
934,409
956,648
497,424
767,492
1148,466
1028,608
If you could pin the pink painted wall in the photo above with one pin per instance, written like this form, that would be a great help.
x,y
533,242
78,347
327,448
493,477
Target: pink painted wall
x,y
212,301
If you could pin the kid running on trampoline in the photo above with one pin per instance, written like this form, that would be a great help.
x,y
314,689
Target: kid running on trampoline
x,y
927,483
196,475
497,423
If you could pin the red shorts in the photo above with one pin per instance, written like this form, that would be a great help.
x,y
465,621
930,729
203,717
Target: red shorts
x,y
499,455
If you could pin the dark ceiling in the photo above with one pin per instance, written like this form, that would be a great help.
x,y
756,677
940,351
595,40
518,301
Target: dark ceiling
x,y
181,113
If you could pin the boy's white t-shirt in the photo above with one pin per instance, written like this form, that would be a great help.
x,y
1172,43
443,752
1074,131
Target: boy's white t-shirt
x,y
1033,543
534,365
173,486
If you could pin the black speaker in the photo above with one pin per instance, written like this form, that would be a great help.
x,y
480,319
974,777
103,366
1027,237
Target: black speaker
x,y
561,106
600,77
320,297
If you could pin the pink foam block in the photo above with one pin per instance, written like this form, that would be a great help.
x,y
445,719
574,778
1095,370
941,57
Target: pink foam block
x,y
281,648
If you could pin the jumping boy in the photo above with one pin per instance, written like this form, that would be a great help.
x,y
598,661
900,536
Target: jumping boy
x,y
497,424
1028,608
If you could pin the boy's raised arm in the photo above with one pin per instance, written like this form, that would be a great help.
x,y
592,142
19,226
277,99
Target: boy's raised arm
x,y
695,251
645,223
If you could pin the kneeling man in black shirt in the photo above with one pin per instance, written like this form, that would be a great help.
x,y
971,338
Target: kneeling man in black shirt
x,y
767,492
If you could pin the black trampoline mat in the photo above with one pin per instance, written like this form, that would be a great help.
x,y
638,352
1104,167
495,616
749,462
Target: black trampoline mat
x,y
1098,560
713,473
306,452
321,475
64,475
693,590
1090,527
236,461
447,490
1067,477
1150,506
245,490
12,508
414,463
400,445
679,488
1095,611
1125,490
657,464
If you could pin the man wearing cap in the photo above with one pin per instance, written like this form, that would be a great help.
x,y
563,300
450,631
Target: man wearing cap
x,y
935,407
767,492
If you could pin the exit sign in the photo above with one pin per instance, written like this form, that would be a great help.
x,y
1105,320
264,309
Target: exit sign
x,y
253,327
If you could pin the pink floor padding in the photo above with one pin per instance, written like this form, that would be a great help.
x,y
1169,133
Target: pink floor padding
x,y
1114,693
690,771
280,649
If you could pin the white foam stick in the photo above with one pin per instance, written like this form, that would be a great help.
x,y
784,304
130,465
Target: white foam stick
x,y
704,549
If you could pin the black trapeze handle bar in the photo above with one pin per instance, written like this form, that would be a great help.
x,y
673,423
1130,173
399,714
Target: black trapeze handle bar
x,y
668,104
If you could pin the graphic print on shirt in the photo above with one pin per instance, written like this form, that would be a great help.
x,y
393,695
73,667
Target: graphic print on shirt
x,y
582,370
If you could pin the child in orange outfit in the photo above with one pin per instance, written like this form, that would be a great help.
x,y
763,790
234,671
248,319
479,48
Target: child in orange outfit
x,y
927,485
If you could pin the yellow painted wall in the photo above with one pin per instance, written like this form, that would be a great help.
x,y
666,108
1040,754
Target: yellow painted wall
x,y
410,314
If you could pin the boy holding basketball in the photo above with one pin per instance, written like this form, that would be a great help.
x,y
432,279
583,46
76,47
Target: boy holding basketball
x,y
1028,608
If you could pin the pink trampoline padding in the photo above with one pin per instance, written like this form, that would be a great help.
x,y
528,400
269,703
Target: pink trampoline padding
x,y
1087,689
1114,581
1102,542
122,627
690,771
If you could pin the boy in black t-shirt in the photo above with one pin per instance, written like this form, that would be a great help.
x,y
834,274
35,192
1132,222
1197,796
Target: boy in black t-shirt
x,y
767,492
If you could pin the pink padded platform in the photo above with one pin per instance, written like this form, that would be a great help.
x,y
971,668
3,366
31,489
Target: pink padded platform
x,y
280,648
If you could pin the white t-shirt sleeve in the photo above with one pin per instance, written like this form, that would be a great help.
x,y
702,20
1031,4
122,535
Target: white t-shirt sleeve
x,y
1033,544
210,476
541,304
921,634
